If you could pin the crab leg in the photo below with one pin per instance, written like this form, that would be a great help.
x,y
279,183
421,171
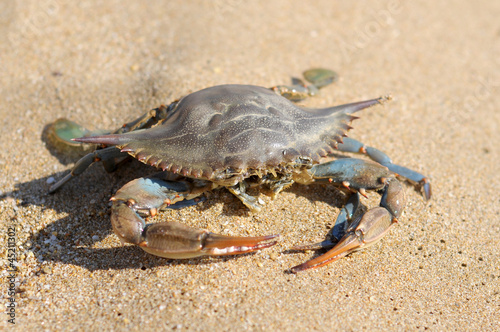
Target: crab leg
x,y
318,77
147,120
171,239
352,145
107,156
253,203
359,175
340,227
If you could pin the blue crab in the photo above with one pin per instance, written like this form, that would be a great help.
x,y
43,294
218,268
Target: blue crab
x,y
240,137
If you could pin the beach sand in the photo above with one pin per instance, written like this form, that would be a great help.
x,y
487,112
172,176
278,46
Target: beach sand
x,y
102,64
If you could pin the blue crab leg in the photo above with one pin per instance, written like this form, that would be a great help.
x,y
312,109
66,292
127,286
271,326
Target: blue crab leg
x,y
345,217
318,77
107,156
253,203
147,120
359,175
339,229
356,174
147,196
352,145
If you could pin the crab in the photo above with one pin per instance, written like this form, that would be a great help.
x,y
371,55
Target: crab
x,y
240,137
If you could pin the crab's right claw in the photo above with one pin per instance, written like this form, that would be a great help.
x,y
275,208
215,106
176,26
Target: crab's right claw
x,y
374,224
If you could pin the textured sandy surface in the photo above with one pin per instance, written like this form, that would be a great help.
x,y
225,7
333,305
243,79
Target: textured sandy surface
x,y
102,64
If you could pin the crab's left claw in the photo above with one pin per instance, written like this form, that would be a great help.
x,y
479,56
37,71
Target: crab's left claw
x,y
366,231
177,241
146,196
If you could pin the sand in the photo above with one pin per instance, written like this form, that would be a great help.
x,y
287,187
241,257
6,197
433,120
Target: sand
x,y
101,64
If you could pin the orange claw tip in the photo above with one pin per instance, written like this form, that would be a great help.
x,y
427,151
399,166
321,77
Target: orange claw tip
x,y
232,245
344,247
315,263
